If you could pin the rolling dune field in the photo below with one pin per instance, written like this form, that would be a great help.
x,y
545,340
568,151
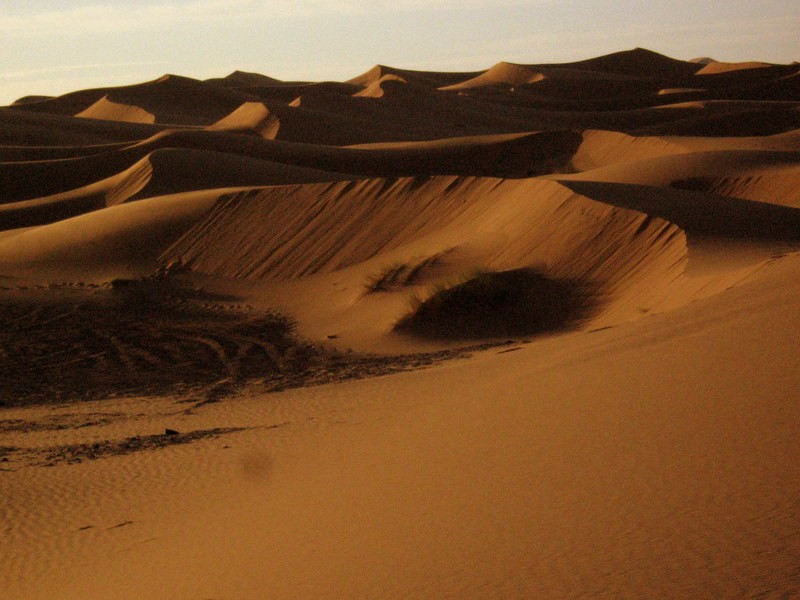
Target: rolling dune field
x,y
525,332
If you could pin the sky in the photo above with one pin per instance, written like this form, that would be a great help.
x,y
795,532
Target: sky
x,y
50,47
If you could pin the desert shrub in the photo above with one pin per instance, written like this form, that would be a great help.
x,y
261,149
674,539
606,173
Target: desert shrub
x,y
386,278
520,302
397,275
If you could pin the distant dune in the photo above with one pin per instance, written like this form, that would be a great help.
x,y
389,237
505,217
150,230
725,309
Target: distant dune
x,y
523,332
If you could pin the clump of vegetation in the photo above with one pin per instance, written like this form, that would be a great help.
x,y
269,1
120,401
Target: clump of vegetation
x,y
397,275
386,279
515,303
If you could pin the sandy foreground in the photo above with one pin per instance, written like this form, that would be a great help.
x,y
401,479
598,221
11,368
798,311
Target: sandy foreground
x,y
528,332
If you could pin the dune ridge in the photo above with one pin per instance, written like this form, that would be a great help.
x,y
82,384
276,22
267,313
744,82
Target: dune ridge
x,y
107,110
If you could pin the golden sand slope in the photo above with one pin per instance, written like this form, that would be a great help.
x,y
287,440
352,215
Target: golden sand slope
x,y
250,116
597,263
654,458
111,111
501,73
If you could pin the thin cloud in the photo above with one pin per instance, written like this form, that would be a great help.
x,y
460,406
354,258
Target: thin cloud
x,y
25,74
110,18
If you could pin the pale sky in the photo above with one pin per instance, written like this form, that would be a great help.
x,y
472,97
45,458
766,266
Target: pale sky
x,y
54,46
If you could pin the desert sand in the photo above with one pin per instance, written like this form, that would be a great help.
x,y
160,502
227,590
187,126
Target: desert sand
x,y
524,332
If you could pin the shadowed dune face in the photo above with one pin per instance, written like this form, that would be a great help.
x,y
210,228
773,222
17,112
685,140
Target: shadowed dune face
x,y
701,214
511,304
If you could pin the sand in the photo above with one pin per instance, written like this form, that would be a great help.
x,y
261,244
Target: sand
x,y
527,332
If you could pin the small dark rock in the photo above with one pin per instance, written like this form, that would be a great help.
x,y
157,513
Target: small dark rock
x,y
171,432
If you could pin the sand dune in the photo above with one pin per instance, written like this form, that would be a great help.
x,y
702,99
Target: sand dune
x,y
171,99
604,148
163,171
22,128
378,88
444,214
244,79
286,93
722,217
250,116
520,332
517,155
103,245
423,78
663,170
639,62
501,73
777,186
111,111
723,67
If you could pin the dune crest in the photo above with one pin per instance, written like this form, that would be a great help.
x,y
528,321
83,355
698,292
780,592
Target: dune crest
x,y
639,61
376,88
250,116
245,79
501,73
112,111
429,79
725,67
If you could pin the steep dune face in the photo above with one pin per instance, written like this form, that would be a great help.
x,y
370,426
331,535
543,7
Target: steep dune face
x,y
107,110
94,196
716,67
610,248
250,117
501,73
500,225
377,89
604,148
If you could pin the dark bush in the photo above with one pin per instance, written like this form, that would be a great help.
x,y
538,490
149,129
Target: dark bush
x,y
514,303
